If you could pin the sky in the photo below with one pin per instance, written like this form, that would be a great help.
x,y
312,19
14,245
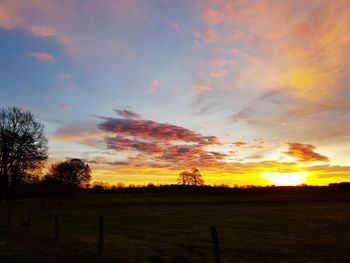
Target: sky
x,y
249,92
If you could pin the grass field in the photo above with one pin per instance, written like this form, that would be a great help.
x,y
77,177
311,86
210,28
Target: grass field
x,y
174,227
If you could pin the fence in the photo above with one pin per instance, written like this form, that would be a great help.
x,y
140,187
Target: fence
x,y
100,227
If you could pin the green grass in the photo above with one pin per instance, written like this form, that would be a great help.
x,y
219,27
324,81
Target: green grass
x,y
162,226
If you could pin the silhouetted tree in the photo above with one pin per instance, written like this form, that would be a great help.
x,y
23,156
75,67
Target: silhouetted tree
x,y
72,173
190,178
23,148
100,186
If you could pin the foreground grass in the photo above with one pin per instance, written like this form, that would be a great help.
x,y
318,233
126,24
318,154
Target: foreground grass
x,y
168,227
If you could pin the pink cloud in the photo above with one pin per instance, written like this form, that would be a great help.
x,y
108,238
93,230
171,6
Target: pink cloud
x,y
67,23
210,36
65,106
201,88
218,63
161,143
213,16
153,88
42,56
147,129
42,31
218,73
234,52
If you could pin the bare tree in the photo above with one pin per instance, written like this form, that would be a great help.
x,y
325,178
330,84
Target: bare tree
x,y
190,178
23,148
72,173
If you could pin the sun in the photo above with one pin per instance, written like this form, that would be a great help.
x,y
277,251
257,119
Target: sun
x,y
286,179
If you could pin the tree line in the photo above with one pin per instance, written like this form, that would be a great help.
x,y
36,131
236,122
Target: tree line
x,y
24,152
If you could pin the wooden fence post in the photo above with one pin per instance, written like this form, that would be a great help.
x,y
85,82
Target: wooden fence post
x,y
56,227
100,235
216,247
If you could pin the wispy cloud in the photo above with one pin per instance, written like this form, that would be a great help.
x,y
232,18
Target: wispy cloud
x,y
42,56
213,16
218,73
65,106
201,88
67,23
153,87
128,114
210,36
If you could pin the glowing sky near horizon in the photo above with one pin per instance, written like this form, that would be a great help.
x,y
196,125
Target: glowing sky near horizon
x,y
243,90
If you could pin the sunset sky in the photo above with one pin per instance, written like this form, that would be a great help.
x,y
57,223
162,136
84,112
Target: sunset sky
x,y
249,92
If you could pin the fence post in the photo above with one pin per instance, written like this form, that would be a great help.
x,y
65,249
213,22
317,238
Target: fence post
x,y
216,247
100,235
56,227
9,217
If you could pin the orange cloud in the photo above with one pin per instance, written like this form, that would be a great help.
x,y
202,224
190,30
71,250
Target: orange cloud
x,y
201,88
305,153
212,16
291,46
42,56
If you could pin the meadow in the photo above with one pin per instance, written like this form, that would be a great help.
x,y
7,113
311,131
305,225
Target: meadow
x,y
174,227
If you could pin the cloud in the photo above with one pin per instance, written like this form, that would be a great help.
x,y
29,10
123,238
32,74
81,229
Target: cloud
x,y
239,143
210,37
218,73
65,106
213,16
305,153
147,129
81,27
153,88
165,154
201,88
81,132
121,143
161,144
257,145
293,49
127,114
42,56
219,63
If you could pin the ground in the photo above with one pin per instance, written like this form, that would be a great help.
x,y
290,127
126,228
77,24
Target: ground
x,y
174,227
